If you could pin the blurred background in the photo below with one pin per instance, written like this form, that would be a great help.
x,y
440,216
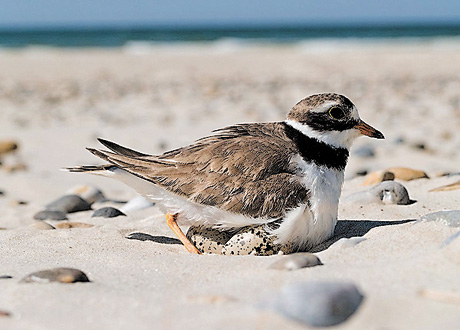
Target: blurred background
x,y
155,75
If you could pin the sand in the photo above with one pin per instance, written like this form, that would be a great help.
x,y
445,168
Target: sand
x,y
54,103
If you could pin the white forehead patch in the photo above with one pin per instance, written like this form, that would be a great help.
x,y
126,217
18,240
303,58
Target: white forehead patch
x,y
325,106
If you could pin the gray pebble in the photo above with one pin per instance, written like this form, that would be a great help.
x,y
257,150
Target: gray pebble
x,y
5,277
364,152
108,212
89,193
387,192
296,261
135,204
50,215
319,303
449,218
69,204
62,275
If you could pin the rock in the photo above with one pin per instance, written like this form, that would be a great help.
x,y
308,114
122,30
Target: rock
x,y
135,204
89,193
8,146
69,225
319,304
42,226
388,192
5,277
208,240
364,152
407,174
108,212
69,204
62,275
15,167
449,187
377,177
50,215
296,261
4,313
1,193
449,218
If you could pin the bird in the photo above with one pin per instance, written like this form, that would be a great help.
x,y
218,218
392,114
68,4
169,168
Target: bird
x,y
287,175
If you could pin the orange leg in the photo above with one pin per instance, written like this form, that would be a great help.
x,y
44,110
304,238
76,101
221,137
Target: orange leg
x,y
171,220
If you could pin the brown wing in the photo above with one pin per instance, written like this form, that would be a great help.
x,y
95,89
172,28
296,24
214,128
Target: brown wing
x,y
243,169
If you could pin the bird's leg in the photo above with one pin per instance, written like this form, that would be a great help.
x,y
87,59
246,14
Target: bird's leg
x,y
171,220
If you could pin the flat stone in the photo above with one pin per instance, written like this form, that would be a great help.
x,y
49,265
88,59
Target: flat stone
x,y
50,215
89,193
62,275
108,212
319,304
407,174
69,204
449,218
7,146
449,187
4,313
69,225
344,242
296,261
42,226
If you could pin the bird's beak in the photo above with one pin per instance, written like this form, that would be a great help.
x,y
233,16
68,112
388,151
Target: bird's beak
x,y
368,130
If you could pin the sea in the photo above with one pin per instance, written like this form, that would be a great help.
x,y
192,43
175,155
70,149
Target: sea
x,y
125,36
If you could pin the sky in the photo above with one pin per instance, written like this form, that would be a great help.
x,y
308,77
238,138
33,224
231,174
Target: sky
x,y
87,13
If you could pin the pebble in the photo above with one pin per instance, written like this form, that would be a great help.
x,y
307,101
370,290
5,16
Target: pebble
x,y
319,304
296,261
387,192
377,177
50,215
135,204
62,275
89,193
449,187
69,204
449,218
208,240
5,277
4,313
69,225
7,146
407,174
108,212
364,152
42,226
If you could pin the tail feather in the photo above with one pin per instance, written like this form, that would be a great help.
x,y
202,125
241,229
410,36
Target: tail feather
x,y
90,168
120,149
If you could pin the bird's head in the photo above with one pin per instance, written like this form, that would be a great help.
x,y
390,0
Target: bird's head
x,y
331,118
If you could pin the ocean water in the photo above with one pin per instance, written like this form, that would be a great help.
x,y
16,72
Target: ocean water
x,y
119,37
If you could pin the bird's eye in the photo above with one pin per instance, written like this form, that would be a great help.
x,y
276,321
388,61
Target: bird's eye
x,y
336,113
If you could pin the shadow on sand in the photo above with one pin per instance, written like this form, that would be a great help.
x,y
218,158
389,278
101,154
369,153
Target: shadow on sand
x,y
354,228
156,239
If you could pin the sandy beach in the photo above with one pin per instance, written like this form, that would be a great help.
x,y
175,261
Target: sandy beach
x,y
56,102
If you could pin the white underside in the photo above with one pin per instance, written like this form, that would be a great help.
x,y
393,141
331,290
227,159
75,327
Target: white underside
x,y
303,226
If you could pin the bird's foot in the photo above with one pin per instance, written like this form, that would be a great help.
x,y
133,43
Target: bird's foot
x,y
171,220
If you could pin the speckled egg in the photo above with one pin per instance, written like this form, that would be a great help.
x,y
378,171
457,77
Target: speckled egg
x,y
208,240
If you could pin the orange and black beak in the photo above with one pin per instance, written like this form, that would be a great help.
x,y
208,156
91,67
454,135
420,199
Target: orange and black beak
x,y
368,130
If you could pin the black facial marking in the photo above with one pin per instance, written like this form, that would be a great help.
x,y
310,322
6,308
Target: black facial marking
x,y
317,152
321,121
